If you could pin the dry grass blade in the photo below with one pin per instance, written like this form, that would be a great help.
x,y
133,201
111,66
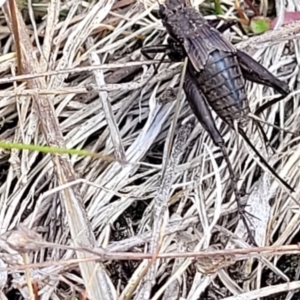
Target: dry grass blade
x,y
114,131
8,79
95,278
267,291
160,213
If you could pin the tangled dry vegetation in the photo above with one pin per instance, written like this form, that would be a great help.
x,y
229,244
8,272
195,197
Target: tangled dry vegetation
x,y
84,225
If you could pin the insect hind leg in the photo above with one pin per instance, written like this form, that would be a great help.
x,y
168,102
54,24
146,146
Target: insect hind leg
x,y
199,106
264,162
255,72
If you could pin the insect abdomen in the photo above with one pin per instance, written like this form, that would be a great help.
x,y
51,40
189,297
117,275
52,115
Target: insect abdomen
x,y
223,85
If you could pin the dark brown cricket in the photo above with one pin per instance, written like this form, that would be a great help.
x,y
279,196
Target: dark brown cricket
x,y
216,75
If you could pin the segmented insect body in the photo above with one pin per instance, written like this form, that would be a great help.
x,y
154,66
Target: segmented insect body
x,y
215,76
224,87
214,60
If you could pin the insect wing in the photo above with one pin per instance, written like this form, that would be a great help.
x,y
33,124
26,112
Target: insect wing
x,y
199,44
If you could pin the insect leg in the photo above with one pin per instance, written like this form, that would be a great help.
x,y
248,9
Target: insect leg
x,y
154,50
227,24
199,106
268,104
255,72
264,136
172,50
243,134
